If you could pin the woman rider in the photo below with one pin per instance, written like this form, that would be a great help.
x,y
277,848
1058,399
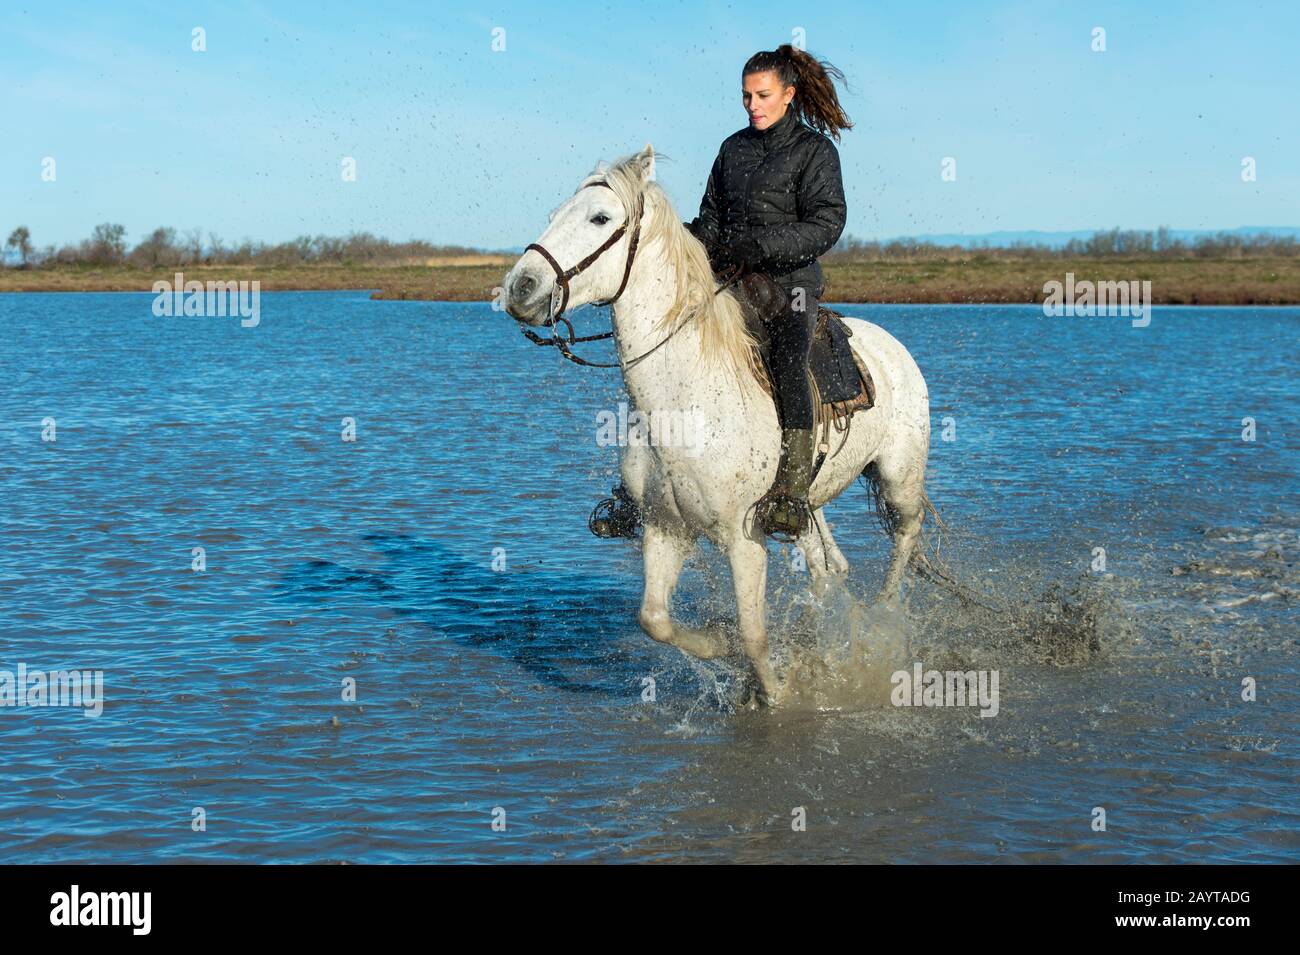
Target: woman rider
x,y
774,203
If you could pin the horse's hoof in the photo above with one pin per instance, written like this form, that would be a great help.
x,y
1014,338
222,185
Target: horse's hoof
x,y
809,665
748,695
889,600
771,699
701,644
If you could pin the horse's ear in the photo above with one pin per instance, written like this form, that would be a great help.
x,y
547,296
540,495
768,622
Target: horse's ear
x,y
646,159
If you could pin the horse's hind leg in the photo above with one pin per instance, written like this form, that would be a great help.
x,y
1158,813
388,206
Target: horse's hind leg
x,y
664,554
903,491
826,564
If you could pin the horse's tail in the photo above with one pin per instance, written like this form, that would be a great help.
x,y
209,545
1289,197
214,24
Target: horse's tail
x,y
925,560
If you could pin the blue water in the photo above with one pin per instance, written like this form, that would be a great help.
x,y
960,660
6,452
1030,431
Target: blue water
x,y
519,685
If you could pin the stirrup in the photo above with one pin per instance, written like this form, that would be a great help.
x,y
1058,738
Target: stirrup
x,y
615,516
782,516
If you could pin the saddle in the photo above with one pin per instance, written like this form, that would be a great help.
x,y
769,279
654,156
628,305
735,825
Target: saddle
x,y
841,382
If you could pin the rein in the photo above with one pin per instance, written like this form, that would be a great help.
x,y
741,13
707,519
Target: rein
x,y
562,277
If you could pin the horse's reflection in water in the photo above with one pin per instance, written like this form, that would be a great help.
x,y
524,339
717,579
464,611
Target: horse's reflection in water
x,y
535,619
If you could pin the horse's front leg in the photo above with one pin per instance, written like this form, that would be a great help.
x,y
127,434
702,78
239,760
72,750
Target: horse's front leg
x,y
664,553
749,573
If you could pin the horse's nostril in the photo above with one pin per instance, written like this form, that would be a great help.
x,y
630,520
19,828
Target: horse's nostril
x,y
524,286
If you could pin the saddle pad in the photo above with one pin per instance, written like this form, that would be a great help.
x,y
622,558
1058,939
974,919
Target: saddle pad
x,y
831,359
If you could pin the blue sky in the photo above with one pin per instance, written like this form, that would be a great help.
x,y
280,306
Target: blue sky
x,y
455,143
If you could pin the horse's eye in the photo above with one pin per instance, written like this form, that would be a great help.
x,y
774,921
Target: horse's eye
x,y
599,219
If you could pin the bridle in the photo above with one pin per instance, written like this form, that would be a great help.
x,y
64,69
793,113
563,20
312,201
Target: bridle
x,y
562,277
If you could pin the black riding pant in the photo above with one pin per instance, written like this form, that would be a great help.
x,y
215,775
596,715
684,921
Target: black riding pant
x,y
790,333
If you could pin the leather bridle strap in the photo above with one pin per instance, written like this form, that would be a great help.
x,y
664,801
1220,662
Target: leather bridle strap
x,y
728,279
562,275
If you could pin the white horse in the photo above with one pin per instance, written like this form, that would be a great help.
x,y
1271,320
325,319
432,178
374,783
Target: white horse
x,y
686,351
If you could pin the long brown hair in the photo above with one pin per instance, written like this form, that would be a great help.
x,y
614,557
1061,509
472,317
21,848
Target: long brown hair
x,y
815,101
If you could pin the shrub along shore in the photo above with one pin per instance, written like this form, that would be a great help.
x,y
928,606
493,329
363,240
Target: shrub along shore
x,y
1221,269
976,278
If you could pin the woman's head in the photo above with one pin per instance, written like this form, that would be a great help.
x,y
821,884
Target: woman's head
x,y
774,81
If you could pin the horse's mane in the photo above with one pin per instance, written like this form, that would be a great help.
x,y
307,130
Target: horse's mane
x,y
723,334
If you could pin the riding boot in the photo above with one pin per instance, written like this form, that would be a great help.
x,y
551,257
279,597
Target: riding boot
x,y
616,516
783,512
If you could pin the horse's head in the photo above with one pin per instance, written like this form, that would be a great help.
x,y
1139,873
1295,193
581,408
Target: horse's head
x,y
586,253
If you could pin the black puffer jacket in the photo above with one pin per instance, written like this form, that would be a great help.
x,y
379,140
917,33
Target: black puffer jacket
x,y
782,186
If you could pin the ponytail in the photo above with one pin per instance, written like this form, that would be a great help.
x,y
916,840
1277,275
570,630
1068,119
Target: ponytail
x,y
815,101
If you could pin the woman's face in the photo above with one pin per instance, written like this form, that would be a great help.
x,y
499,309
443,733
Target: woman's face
x,y
765,98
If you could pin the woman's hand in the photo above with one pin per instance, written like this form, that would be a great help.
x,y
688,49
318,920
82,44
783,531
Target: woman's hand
x,y
745,252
